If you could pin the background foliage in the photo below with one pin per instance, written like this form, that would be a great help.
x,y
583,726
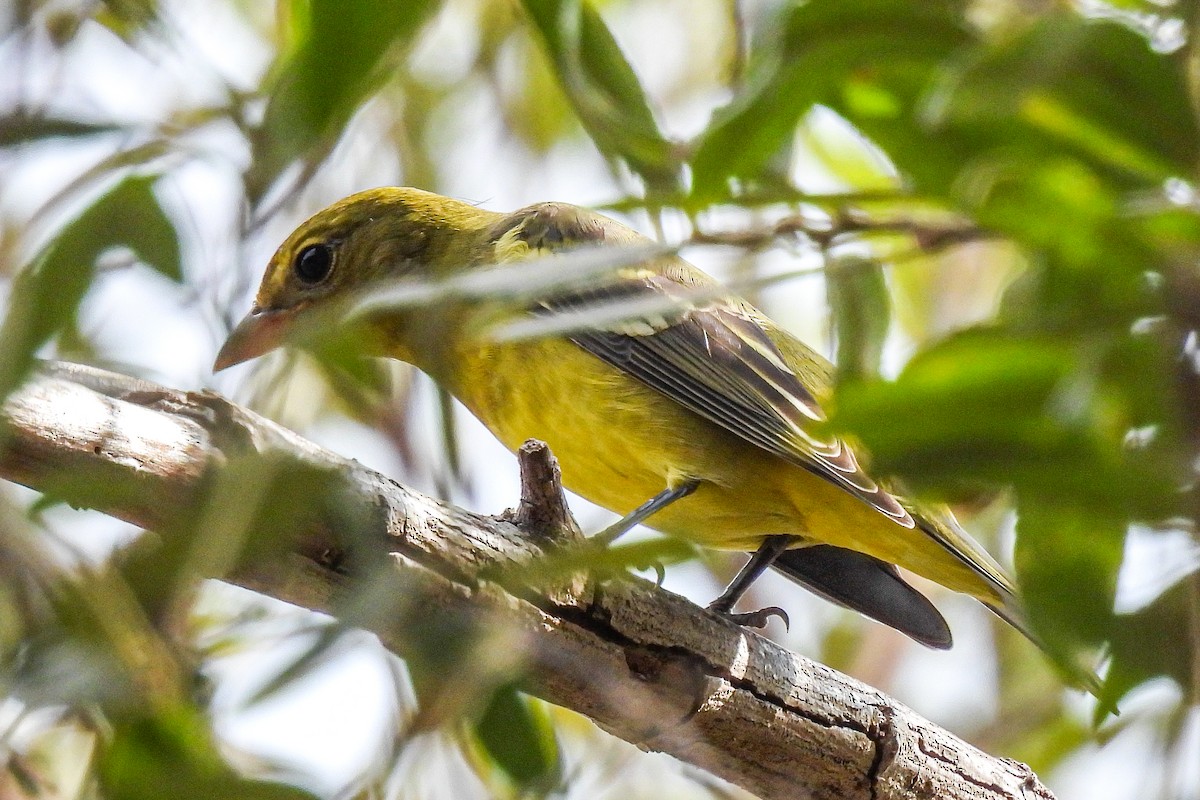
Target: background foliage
x,y
984,211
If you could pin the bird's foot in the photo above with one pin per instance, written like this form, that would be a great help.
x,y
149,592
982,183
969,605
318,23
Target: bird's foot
x,y
759,619
754,619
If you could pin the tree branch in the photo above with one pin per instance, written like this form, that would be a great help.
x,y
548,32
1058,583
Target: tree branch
x,y
645,664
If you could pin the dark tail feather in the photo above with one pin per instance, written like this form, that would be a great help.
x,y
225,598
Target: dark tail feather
x,y
875,589
869,586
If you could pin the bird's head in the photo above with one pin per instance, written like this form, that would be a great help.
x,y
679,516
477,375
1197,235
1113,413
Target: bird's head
x,y
355,243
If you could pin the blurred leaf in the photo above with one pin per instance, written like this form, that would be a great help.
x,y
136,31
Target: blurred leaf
x,y
457,659
976,408
172,754
1089,266
860,306
539,112
1044,747
600,561
345,49
1017,198
882,50
59,665
605,91
909,74
1150,643
1067,559
94,647
1157,640
55,763
22,127
316,655
518,735
61,26
362,384
1049,415
255,509
842,151
1063,84
521,282
47,294
448,428
128,17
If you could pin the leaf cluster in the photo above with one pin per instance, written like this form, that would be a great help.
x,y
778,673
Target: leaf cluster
x,y
1058,145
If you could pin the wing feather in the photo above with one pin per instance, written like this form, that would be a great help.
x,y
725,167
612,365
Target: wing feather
x,y
717,361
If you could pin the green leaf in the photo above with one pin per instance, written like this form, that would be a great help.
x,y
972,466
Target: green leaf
x,y
1067,558
519,737
603,88
600,561
1063,85
345,49
946,105
363,385
841,150
974,409
1032,95
861,309
128,17
828,52
538,110
22,127
253,510
1047,744
315,656
1045,414
172,754
46,295
1089,260
1017,200
1147,643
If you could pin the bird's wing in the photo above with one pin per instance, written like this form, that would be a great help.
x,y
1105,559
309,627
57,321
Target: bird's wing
x,y
715,358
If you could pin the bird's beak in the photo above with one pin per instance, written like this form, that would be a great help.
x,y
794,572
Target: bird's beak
x,y
260,332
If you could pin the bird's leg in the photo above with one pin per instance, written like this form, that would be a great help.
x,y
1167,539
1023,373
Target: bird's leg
x,y
646,509
771,548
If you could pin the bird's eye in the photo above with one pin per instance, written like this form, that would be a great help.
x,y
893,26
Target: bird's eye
x,y
313,263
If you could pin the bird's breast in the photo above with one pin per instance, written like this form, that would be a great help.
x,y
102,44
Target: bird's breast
x,y
619,442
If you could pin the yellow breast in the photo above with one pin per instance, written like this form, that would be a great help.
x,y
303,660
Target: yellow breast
x,y
619,443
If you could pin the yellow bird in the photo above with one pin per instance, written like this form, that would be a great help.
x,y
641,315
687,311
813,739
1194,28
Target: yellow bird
x,y
699,418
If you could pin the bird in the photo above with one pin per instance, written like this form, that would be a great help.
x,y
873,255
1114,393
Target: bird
x,y
697,415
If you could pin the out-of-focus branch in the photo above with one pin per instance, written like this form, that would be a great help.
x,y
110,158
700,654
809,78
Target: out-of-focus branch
x,y
930,233
645,664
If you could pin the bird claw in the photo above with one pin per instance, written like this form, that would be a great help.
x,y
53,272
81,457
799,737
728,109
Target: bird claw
x,y
758,619
660,572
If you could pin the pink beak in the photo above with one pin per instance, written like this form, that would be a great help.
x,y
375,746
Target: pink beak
x,y
260,332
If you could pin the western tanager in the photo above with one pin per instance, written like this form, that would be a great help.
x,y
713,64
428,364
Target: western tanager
x,y
708,407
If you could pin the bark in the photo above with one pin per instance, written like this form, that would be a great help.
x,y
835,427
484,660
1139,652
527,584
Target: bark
x,y
645,664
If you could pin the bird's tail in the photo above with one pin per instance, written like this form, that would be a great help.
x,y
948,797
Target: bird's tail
x,y
869,586
875,589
